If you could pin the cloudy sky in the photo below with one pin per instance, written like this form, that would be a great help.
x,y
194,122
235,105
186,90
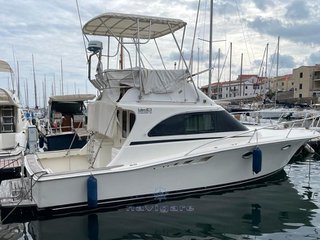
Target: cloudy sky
x,y
50,31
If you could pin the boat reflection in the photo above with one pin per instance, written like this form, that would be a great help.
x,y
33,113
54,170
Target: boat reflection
x,y
269,208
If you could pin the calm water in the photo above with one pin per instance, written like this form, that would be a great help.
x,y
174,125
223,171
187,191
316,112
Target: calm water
x,y
286,208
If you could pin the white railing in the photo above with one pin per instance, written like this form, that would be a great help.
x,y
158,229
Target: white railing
x,y
281,125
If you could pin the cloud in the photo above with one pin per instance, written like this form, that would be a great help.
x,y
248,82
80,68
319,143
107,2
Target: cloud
x,y
263,4
297,10
314,58
285,61
306,33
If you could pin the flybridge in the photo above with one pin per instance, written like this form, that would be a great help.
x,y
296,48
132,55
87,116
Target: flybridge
x,y
137,30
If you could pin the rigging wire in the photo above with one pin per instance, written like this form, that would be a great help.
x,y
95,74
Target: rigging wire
x,y
194,38
83,36
243,32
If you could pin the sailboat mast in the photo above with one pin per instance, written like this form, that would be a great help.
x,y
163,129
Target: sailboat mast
x,y
278,46
266,72
18,80
61,69
34,84
54,84
218,86
26,93
210,50
230,69
45,92
241,65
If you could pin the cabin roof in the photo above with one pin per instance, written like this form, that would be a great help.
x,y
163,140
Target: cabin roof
x,y
127,26
7,98
71,98
5,67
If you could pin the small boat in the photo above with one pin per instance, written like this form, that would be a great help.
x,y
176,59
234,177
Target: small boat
x,y
153,132
13,131
66,124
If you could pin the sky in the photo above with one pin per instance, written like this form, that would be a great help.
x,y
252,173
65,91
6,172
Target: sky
x,y
50,31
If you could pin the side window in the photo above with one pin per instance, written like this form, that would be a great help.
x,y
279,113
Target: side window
x,y
197,123
127,119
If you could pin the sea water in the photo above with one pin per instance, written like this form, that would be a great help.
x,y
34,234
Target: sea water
x,y
286,207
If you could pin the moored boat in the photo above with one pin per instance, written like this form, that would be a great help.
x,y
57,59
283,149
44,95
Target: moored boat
x,y
13,131
153,131
67,120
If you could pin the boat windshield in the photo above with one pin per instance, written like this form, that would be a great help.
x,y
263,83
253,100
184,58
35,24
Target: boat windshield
x,y
197,123
68,107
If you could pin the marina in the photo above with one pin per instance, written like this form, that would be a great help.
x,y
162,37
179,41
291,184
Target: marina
x,y
167,126
137,117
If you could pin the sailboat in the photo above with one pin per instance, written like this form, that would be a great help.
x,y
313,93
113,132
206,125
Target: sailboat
x,y
153,132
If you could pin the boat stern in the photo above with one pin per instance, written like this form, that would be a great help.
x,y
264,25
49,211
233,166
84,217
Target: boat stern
x,y
16,200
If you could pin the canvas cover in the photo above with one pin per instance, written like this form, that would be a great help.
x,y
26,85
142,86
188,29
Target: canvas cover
x,y
102,117
150,81
131,26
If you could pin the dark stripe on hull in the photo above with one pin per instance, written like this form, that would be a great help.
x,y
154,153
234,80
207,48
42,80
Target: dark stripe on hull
x,y
177,140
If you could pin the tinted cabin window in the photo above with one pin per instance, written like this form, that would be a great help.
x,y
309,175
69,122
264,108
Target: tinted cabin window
x,y
67,107
127,119
197,123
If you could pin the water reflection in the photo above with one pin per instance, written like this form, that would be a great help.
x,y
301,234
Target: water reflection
x,y
271,208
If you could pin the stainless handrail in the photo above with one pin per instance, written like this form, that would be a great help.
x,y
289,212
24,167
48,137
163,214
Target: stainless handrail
x,y
254,131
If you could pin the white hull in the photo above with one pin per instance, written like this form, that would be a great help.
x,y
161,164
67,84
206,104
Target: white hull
x,y
219,210
190,174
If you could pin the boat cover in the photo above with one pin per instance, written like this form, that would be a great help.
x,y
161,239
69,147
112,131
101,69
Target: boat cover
x,y
150,81
102,117
129,26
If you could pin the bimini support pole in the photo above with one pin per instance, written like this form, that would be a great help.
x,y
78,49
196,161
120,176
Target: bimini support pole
x,y
184,61
139,57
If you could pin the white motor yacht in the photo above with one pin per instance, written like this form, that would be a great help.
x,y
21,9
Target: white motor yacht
x,y
13,130
153,132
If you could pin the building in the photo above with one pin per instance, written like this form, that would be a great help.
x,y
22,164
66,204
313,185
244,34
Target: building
x,y
307,82
245,86
282,88
302,86
282,83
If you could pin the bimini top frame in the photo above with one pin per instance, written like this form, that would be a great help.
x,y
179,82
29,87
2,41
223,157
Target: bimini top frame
x,y
131,26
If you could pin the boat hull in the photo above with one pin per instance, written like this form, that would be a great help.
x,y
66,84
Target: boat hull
x,y
212,171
